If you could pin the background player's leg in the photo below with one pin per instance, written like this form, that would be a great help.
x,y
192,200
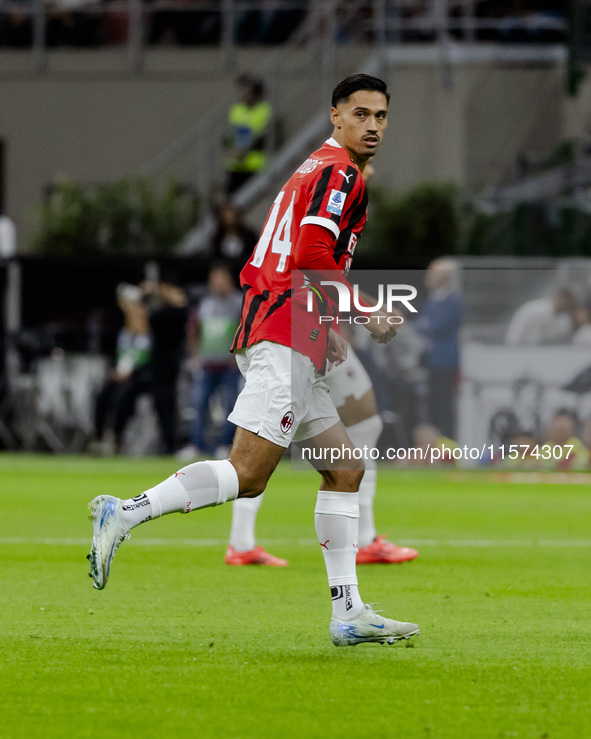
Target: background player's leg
x,y
367,434
364,427
242,549
244,513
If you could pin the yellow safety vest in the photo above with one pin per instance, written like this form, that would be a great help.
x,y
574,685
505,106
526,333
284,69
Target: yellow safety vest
x,y
247,131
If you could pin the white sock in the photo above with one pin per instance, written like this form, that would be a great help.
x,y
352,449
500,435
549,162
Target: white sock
x,y
367,433
367,491
244,516
336,518
199,485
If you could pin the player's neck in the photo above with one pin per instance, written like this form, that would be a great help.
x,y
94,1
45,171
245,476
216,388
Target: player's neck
x,y
359,162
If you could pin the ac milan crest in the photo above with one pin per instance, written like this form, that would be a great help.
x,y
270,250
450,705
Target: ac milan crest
x,y
287,422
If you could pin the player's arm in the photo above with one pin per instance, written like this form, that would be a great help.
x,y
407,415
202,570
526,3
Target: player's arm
x,y
397,318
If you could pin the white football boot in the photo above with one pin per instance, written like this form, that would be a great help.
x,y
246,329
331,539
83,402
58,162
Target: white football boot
x,y
108,531
370,626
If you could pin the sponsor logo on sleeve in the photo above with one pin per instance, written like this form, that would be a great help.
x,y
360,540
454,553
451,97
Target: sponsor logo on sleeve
x,y
336,202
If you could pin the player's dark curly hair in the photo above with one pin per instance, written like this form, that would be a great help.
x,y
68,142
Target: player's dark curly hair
x,y
355,82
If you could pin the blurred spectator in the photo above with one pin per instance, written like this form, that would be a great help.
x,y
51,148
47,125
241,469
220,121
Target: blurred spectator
x,y
267,25
276,25
440,322
582,320
67,23
114,24
531,21
543,321
528,451
436,449
131,377
561,433
248,122
419,14
16,26
275,21
512,24
233,241
167,310
210,331
70,23
7,236
195,25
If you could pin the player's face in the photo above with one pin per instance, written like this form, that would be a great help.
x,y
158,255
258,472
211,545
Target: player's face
x,y
360,123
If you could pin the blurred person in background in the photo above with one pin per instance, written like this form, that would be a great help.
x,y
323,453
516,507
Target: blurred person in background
x,y
527,447
70,23
426,437
267,25
439,323
131,376
582,321
210,332
233,240
16,24
167,310
186,22
245,142
561,432
548,320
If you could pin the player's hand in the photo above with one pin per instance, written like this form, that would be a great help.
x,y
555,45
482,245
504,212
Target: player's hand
x,y
399,318
381,330
336,352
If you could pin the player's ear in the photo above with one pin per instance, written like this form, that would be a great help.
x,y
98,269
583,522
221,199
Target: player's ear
x,y
334,117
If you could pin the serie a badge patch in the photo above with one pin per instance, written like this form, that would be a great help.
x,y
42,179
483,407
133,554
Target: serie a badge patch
x,y
336,202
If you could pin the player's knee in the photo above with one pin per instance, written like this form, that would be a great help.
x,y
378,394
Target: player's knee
x,y
251,483
354,478
251,490
346,481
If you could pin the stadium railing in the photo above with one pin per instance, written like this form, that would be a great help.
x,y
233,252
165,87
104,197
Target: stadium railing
x,y
46,25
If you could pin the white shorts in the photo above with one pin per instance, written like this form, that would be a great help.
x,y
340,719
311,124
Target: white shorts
x,y
283,399
348,379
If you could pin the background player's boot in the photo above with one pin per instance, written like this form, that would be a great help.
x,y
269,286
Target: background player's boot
x,y
108,531
256,556
383,551
370,626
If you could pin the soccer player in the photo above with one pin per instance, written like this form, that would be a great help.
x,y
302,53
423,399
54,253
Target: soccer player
x,y
313,226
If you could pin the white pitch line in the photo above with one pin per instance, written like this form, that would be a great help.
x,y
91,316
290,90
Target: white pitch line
x,y
484,543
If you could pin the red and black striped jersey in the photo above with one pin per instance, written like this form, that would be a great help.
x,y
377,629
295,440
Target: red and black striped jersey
x,y
326,190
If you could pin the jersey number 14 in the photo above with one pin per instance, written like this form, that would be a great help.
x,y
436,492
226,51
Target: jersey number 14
x,y
276,235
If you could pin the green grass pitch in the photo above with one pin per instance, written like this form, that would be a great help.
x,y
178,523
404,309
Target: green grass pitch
x,y
180,645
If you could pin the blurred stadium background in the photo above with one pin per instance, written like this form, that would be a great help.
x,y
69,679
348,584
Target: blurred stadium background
x,y
112,121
